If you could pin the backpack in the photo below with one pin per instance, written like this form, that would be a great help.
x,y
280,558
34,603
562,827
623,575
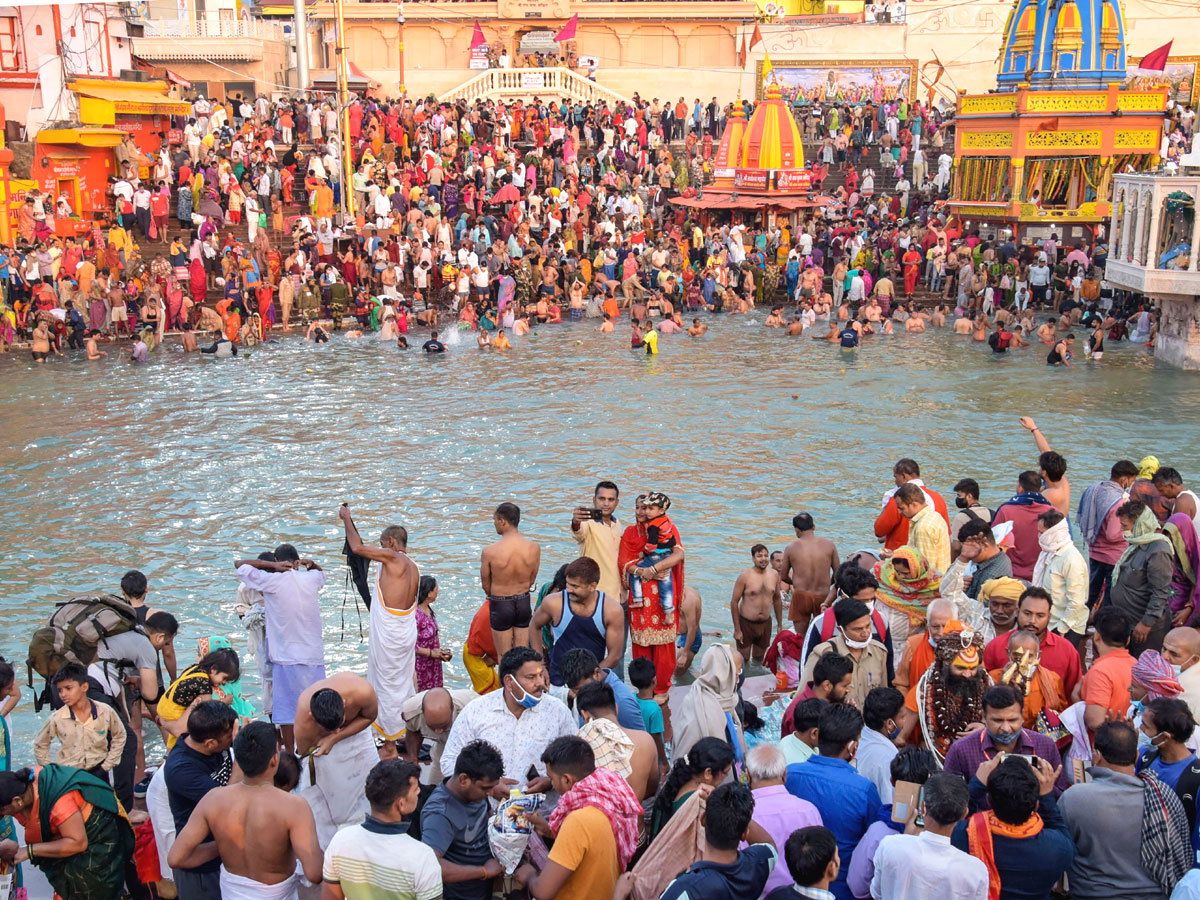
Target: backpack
x,y
73,634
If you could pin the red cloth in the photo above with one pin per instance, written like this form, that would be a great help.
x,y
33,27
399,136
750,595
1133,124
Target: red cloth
x,y
1025,548
145,854
786,642
612,795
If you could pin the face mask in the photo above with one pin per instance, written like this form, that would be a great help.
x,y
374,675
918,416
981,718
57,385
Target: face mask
x,y
1144,742
929,637
528,701
1135,709
961,502
894,733
1003,740
1178,670
853,644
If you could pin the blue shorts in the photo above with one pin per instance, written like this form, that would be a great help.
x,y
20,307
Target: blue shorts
x,y
695,644
287,684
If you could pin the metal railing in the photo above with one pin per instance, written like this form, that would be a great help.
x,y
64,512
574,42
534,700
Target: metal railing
x,y
548,82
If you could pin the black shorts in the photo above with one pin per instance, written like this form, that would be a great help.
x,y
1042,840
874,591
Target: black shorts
x,y
38,355
510,612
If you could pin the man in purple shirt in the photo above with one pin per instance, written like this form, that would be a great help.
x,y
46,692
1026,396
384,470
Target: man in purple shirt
x,y
1101,529
778,812
1002,732
139,352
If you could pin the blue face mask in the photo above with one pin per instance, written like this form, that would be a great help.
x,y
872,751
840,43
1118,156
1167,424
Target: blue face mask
x,y
1003,740
1135,709
528,701
1145,742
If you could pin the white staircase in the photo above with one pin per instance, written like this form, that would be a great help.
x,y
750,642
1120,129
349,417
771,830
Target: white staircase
x,y
524,84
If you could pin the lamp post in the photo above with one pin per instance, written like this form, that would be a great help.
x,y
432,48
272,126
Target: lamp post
x,y
343,95
400,42
300,30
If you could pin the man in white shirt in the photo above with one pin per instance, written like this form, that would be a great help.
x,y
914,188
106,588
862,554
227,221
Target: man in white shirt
x,y
920,866
875,748
291,589
520,719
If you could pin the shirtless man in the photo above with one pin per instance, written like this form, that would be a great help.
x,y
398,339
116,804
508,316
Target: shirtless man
x,y
392,652
774,318
259,832
962,326
687,645
508,568
92,348
607,327
596,701
796,328
41,342
809,564
755,593
336,748
697,329
938,318
187,339
914,323
344,705
1056,488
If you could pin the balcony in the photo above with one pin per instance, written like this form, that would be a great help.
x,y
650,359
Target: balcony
x,y
1154,235
174,40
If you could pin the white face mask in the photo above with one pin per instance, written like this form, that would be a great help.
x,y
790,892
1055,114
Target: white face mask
x,y
853,644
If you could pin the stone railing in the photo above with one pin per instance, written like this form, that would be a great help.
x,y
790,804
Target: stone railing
x,y
216,28
503,84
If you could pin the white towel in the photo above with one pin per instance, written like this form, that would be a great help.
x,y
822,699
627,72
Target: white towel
x,y
238,887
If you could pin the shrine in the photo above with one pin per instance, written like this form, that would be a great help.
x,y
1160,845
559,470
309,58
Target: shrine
x,y
1038,154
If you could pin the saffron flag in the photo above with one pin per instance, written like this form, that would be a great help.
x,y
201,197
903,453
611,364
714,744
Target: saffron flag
x,y
755,38
741,57
1156,60
768,69
1047,125
568,30
477,39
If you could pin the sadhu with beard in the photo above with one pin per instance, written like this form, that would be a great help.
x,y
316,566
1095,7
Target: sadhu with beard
x,y
949,696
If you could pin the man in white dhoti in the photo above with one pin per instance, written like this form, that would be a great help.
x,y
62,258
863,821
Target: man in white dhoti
x,y
258,831
392,653
337,750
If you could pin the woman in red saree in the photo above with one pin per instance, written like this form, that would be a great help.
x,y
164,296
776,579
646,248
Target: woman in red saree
x,y
266,309
199,281
652,630
912,271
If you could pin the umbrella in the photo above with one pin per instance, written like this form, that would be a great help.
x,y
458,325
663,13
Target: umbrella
x,y
506,194
212,208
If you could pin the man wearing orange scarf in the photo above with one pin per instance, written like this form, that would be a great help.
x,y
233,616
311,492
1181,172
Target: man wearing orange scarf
x,y
1023,839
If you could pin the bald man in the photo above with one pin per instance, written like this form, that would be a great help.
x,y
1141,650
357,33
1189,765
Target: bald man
x,y
428,717
918,649
1181,648
1040,687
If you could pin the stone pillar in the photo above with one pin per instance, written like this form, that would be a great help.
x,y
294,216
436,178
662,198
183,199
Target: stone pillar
x,y
1152,248
1118,225
1128,226
1178,341
1195,253
1140,230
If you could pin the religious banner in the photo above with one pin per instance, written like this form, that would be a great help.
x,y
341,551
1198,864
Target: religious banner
x,y
804,82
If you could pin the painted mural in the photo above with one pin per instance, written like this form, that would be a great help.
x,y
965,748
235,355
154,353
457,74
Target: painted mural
x,y
855,81
1179,76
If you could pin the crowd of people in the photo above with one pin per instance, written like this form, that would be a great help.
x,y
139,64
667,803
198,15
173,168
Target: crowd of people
x,y
976,707
499,217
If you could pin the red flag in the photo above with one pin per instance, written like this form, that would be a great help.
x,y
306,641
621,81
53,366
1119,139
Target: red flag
x,y
477,39
1156,60
755,38
1047,125
742,53
568,30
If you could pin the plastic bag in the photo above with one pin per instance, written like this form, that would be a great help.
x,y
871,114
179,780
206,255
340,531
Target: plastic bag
x,y
509,829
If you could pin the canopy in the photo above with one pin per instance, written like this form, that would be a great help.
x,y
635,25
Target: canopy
x,y
136,100
729,201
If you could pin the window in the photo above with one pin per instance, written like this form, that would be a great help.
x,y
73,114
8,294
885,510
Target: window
x,y
10,47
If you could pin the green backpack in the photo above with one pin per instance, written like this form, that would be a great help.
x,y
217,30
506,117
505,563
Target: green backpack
x,y
73,634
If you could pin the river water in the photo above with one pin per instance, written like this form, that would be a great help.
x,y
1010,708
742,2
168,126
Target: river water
x,y
182,465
